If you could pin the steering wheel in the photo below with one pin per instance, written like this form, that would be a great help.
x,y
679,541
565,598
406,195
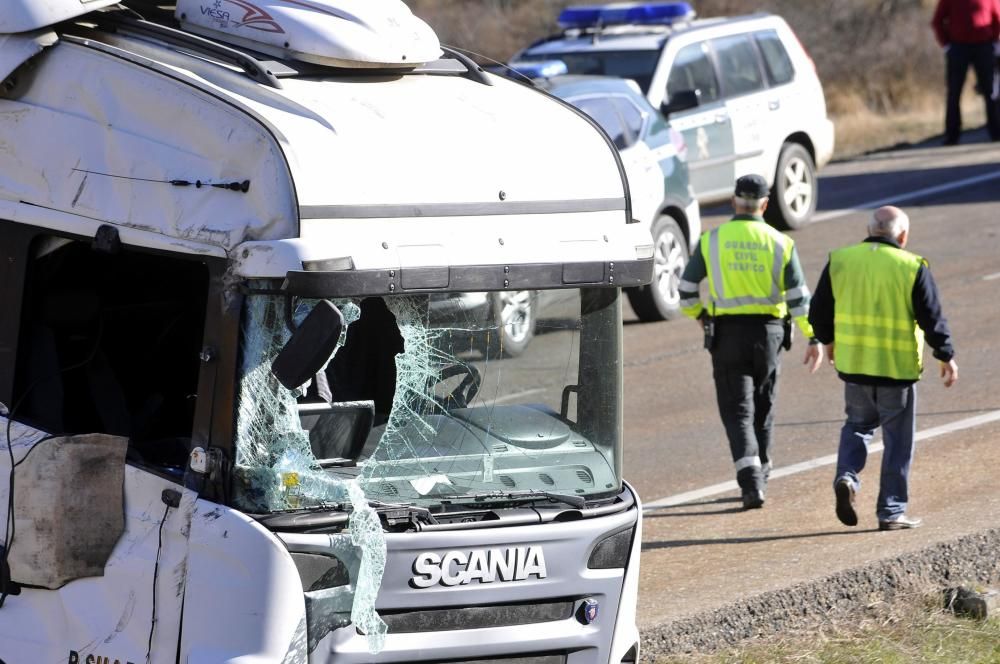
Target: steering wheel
x,y
465,391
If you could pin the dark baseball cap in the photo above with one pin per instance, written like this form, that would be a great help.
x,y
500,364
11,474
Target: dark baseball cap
x,y
752,186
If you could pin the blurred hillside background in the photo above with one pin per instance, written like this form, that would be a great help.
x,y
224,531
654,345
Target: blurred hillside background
x,y
881,68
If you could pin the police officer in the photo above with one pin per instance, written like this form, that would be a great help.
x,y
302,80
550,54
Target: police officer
x,y
755,286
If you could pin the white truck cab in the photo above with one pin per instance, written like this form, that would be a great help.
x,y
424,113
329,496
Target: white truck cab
x,y
252,404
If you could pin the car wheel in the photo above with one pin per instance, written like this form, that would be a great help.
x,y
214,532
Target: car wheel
x,y
793,196
661,299
515,314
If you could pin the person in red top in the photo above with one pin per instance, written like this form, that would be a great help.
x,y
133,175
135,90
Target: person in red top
x,y
969,32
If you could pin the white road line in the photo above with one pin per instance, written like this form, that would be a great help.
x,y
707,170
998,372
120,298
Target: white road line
x,y
898,198
991,277
828,460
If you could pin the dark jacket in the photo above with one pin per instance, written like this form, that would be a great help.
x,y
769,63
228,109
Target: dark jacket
x,y
926,310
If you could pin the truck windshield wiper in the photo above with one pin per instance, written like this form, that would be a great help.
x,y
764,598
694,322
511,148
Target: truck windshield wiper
x,y
576,502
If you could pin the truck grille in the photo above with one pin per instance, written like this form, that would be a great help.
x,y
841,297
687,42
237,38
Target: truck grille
x,y
476,617
541,658
558,658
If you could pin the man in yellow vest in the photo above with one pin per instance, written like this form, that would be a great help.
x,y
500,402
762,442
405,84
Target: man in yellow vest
x,y
755,285
876,303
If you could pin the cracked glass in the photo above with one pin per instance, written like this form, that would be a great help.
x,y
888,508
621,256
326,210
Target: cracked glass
x,y
276,468
498,394
431,400
432,404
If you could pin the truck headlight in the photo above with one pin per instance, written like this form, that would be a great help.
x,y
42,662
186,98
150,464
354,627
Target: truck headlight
x,y
612,552
329,595
319,572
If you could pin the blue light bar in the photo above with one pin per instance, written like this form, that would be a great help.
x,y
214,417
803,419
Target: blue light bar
x,y
540,69
579,17
664,13
644,13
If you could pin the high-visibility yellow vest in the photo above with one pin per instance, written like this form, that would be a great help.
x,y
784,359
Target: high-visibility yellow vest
x,y
874,327
746,262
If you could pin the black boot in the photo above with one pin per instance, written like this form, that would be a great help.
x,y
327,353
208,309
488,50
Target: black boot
x,y
753,499
752,484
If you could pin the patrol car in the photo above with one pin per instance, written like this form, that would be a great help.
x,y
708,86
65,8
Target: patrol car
x,y
742,90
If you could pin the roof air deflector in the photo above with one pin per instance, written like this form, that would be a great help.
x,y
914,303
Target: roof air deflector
x,y
353,34
255,69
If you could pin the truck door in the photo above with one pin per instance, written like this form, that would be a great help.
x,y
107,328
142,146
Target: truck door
x,y
128,613
107,343
707,128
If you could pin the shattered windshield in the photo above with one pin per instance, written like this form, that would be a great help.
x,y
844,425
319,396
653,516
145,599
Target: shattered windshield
x,y
453,399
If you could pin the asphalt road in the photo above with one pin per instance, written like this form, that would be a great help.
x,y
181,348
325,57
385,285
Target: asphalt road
x,y
674,441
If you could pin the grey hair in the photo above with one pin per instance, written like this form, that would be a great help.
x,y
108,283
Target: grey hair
x,y
888,222
747,205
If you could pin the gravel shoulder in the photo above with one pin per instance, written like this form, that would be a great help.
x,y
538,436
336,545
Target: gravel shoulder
x,y
713,575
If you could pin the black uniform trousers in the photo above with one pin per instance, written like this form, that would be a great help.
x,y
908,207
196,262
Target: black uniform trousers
x,y
981,58
745,367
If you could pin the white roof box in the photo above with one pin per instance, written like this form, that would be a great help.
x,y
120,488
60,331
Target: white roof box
x,y
25,15
336,33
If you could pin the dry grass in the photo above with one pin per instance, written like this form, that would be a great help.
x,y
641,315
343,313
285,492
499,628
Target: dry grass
x,y
881,68
915,633
860,129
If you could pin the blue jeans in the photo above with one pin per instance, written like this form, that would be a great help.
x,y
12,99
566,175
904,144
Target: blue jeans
x,y
869,407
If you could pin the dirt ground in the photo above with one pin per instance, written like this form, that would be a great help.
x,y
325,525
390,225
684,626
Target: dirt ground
x,y
714,575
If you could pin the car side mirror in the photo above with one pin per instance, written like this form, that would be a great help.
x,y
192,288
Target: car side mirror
x,y
681,101
310,347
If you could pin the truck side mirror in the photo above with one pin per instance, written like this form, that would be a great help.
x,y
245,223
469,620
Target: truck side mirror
x,y
310,347
681,101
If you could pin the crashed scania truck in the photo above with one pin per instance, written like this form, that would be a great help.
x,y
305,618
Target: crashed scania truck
x,y
266,273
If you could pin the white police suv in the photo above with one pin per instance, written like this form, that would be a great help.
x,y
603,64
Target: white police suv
x,y
742,90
